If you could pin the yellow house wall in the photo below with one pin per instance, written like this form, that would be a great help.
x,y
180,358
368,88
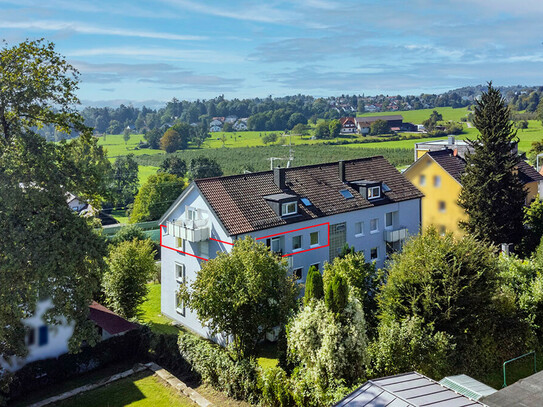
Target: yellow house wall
x,y
448,192
532,191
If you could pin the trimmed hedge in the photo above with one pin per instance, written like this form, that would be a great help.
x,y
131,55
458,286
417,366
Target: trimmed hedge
x,y
132,346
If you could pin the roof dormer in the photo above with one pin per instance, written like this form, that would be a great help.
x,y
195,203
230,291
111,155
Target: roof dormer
x,y
283,204
370,190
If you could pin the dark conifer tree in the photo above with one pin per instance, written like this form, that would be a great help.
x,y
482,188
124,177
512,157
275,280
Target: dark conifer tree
x,y
492,193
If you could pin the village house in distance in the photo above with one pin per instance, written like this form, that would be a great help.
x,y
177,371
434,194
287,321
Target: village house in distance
x,y
306,214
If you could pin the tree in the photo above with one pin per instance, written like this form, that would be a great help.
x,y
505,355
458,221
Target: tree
x,y
334,127
131,264
127,234
156,196
300,130
269,138
314,288
431,123
203,167
126,135
521,124
296,119
114,127
125,179
533,222
336,294
46,250
153,138
492,194
244,293
379,127
229,127
172,141
174,165
322,130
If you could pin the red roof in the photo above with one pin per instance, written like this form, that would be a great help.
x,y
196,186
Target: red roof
x,y
108,320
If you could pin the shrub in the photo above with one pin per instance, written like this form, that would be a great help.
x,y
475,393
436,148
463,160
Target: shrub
x,y
215,366
313,285
275,387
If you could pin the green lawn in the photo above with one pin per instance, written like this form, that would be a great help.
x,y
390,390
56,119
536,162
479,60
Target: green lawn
x,y
145,171
418,116
266,354
120,215
115,145
141,390
151,313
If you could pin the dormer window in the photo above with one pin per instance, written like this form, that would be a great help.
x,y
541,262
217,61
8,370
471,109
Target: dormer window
x,y
374,192
289,208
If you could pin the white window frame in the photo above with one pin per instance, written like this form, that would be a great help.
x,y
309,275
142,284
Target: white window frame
x,y
361,233
276,240
422,180
377,254
376,230
178,309
180,279
311,238
301,242
372,194
286,212
301,273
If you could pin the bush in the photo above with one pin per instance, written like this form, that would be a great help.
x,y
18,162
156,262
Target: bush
x,y
275,387
132,346
215,366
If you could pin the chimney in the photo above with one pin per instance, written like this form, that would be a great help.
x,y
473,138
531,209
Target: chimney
x,y
451,140
279,177
342,170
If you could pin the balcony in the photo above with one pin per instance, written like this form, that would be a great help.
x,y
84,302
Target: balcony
x,y
392,236
189,230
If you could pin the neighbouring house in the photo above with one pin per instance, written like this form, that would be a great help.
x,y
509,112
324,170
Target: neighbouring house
x,y
108,323
364,123
451,143
438,174
215,129
230,119
50,341
305,214
406,390
409,127
371,108
526,392
215,125
348,125
240,125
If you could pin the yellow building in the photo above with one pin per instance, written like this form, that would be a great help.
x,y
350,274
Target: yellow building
x,y
437,175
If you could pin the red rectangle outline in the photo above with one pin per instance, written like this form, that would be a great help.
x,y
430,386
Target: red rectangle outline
x,y
295,230
221,241
179,251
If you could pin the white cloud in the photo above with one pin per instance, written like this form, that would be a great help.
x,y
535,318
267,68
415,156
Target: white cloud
x,y
83,28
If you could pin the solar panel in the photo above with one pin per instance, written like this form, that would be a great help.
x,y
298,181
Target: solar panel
x,y
346,193
306,202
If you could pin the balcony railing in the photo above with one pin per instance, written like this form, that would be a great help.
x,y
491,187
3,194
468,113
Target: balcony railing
x,y
392,236
190,230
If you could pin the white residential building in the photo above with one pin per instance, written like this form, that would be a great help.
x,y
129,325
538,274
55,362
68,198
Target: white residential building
x,y
306,214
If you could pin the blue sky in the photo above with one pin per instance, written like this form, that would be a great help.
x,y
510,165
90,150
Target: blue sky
x,y
157,50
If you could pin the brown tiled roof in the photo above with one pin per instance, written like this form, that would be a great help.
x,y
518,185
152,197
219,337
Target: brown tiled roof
x,y
108,320
454,165
370,119
238,200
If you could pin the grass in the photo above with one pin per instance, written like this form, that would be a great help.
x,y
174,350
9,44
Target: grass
x,y
59,388
141,390
115,146
120,215
145,171
266,354
153,317
418,116
515,371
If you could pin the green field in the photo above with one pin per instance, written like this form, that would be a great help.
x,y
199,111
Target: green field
x,y
141,390
115,146
152,316
418,116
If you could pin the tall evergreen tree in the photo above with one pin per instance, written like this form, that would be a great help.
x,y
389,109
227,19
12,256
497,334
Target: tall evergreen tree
x,y
492,194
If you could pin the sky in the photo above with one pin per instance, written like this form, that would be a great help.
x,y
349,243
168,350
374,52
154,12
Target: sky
x,y
156,50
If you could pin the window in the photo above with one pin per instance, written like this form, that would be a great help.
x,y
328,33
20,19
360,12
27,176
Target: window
x,y
346,194
314,238
316,265
359,229
374,192
422,180
297,242
276,244
192,214
289,208
43,335
442,206
306,202
31,337
389,219
179,243
298,273
374,253
374,225
179,304
180,273
437,181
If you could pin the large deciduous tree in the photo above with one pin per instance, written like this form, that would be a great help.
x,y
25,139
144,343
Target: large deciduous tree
x,y
155,196
125,180
203,167
242,294
492,194
46,250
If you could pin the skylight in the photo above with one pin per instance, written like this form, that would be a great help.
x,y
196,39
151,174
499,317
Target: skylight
x,y
346,193
386,188
306,202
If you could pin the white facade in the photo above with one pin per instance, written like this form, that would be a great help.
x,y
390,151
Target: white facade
x,y
365,229
43,341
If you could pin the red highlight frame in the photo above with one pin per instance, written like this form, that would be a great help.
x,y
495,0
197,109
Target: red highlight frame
x,y
221,241
296,230
177,250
